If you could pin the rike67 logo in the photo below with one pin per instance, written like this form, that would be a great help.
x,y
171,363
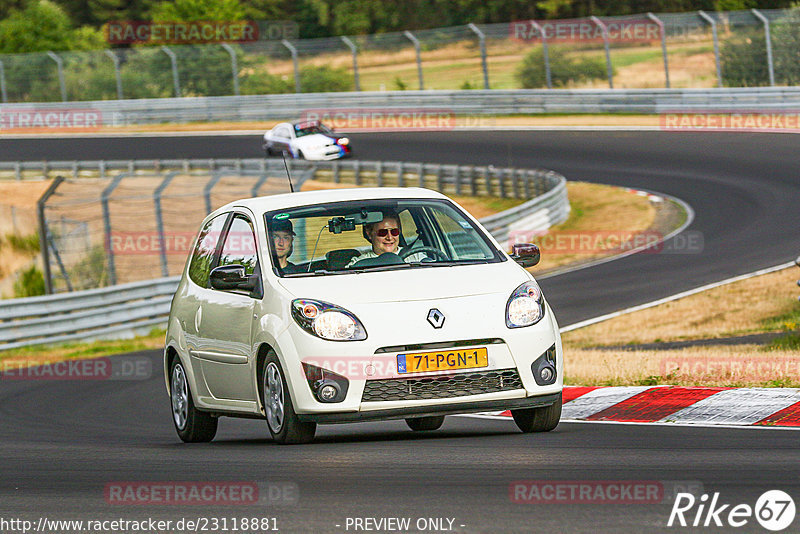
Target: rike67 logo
x,y
774,510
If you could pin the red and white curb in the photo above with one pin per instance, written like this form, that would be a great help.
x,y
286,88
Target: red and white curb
x,y
777,407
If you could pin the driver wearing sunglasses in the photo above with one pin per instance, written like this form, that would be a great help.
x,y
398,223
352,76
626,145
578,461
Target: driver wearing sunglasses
x,y
385,237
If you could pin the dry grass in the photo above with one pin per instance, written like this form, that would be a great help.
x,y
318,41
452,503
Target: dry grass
x,y
744,307
736,366
597,211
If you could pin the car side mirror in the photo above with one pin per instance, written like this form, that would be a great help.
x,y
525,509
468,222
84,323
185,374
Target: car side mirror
x,y
526,254
227,277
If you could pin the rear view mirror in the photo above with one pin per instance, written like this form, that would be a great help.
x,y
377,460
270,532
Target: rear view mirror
x,y
526,254
368,217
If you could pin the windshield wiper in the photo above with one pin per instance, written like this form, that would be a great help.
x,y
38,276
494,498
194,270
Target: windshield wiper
x,y
448,263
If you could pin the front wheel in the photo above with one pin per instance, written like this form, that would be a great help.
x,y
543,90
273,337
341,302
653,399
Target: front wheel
x,y
282,421
419,424
542,419
192,425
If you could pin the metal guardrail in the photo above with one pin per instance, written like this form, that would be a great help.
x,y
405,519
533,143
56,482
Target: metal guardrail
x,y
478,103
121,310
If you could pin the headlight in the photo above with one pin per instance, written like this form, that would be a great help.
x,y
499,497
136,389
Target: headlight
x,y
525,306
343,141
327,321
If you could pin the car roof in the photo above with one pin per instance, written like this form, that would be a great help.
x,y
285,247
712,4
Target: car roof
x,y
305,198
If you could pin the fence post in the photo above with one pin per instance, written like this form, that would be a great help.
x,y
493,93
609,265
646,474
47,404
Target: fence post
x,y
43,246
234,67
663,32
545,53
3,93
112,271
160,220
217,176
60,65
482,39
415,42
115,59
354,51
293,50
713,24
609,69
174,61
764,20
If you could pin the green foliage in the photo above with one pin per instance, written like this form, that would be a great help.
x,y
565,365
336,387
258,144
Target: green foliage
x,y
467,85
399,84
27,244
262,83
41,25
744,61
325,80
29,283
563,69
91,272
198,10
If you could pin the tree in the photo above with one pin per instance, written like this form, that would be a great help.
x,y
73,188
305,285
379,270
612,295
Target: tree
x,y
41,25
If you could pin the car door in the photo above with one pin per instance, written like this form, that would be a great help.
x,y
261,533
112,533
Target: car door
x,y
282,139
227,318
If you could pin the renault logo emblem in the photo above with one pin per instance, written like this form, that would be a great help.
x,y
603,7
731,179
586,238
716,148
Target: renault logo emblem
x,y
436,318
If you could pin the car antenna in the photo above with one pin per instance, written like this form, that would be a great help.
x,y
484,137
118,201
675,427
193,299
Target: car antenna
x,y
288,174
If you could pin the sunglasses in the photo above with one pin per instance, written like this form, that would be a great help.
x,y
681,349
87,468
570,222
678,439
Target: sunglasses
x,y
383,232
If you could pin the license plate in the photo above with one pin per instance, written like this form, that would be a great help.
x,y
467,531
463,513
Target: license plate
x,y
445,360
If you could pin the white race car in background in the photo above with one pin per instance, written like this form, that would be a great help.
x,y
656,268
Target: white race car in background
x,y
309,140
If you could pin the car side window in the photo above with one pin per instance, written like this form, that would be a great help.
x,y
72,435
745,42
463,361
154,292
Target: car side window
x,y
282,133
239,247
204,249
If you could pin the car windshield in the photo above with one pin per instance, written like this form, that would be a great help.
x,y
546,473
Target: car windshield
x,y
357,236
302,129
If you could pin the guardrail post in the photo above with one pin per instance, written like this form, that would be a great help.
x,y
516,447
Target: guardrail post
x,y
293,50
765,21
357,172
336,177
547,75
43,243
112,271
663,32
117,76
527,183
422,175
234,67
160,220
487,176
604,30
482,40
440,178
216,177
60,66
713,23
458,180
400,177
3,93
174,61
473,184
379,174
354,51
415,42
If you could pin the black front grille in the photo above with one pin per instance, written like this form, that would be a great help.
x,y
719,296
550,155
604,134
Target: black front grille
x,y
442,387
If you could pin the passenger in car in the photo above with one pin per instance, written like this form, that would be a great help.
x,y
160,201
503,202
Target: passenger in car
x,y
384,237
282,240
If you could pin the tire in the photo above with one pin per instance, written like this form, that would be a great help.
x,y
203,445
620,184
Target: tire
x,y
269,151
300,154
419,424
192,425
282,420
542,419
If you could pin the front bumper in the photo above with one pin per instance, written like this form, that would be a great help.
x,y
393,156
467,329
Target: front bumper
x,y
539,401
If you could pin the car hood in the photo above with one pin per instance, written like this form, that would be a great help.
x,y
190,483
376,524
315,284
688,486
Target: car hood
x,y
314,140
409,284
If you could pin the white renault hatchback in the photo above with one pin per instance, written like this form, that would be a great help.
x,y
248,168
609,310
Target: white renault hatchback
x,y
354,305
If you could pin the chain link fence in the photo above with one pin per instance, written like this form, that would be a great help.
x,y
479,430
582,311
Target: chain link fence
x,y
695,49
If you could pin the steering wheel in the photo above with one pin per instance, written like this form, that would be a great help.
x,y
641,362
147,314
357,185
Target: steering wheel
x,y
433,250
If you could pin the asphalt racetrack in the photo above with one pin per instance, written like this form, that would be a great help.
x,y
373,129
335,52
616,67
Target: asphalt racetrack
x,y
62,443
